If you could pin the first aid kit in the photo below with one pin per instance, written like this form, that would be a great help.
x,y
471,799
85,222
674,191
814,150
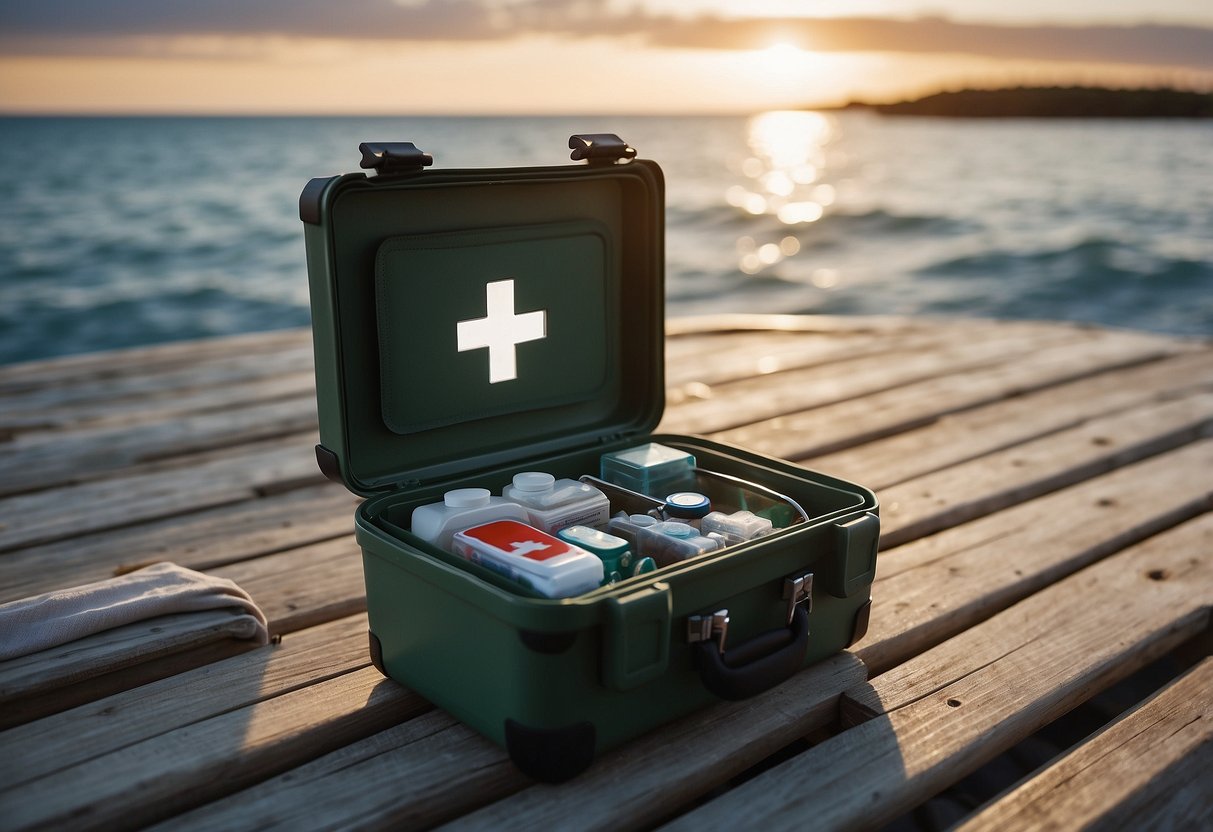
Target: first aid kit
x,y
489,347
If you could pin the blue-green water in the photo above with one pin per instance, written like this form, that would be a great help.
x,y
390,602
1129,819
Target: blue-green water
x,y
119,232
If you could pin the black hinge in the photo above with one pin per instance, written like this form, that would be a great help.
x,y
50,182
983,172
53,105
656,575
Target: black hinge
x,y
394,157
600,148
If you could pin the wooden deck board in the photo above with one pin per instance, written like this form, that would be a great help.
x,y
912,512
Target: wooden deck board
x,y
821,430
952,708
107,726
1148,770
201,540
936,587
1013,460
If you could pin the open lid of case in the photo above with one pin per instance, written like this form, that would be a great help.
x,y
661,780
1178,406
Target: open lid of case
x,y
465,319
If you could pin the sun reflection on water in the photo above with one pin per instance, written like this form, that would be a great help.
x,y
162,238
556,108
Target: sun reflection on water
x,y
783,180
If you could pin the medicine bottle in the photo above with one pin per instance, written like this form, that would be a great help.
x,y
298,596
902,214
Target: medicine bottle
x,y
553,504
461,509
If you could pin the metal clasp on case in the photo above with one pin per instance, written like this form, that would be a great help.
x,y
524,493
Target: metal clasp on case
x,y
708,627
798,590
393,157
600,148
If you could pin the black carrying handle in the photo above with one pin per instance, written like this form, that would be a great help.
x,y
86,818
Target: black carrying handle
x,y
757,665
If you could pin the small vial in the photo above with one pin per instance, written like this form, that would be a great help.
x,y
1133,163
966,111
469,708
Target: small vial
x,y
628,527
614,552
737,527
554,504
461,509
687,507
671,542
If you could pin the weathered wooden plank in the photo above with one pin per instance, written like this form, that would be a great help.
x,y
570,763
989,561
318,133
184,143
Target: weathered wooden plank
x,y
155,387
303,587
108,652
174,771
749,400
420,774
996,481
933,588
946,712
1149,587
99,394
689,347
140,361
201,540
730,358
154,406
105,726
682,327
411,776
1150,769
826,430
69,511
636,785
55,700
968,435
39,461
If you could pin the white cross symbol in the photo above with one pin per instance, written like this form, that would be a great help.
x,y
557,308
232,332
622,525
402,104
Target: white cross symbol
x,y
524,548
501,330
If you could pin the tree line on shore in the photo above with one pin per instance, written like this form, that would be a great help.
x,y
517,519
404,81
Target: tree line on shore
x,y
1053,102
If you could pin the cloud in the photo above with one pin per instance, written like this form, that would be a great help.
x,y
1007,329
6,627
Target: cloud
x,y
89,26
1139,44
428,20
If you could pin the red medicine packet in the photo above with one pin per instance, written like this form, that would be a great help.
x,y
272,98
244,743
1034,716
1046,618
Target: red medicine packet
x,y
533,558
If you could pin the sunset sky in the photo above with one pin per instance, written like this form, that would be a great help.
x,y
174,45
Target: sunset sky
x,y
572,56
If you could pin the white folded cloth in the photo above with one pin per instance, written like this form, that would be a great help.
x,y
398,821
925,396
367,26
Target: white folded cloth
x,y
53,618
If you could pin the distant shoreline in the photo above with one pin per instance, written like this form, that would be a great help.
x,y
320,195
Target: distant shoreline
x,y
1051,102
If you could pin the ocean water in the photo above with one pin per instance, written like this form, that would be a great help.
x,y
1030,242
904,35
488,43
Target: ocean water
x,y
117,232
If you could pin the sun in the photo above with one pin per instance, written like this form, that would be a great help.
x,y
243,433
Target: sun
x,y
782,59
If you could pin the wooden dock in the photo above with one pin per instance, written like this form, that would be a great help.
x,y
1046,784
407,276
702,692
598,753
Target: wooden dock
x,y
1046,577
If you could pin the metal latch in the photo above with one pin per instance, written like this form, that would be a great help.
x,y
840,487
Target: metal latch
x,y
708,627
798,590
393,157
600,148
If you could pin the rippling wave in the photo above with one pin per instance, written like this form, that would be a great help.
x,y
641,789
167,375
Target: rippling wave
x,y
156,229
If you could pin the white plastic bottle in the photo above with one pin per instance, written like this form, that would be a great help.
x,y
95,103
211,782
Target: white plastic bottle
x,y
553,504
461,509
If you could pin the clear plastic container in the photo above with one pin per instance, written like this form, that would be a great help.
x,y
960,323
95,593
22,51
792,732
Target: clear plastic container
x,y
731,494
737,527
652,469
461,509
670,542
628,527
553,504
625,499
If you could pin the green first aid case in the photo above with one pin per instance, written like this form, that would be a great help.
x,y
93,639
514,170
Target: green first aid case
x,y
472,324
